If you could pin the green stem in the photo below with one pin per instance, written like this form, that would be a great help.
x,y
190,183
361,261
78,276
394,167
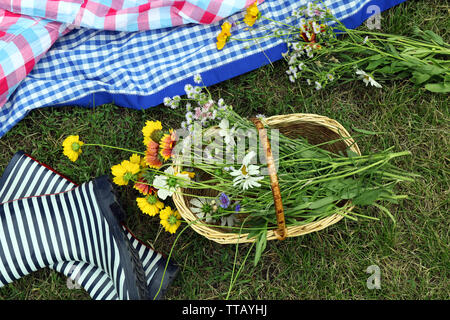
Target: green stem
x,y
112,147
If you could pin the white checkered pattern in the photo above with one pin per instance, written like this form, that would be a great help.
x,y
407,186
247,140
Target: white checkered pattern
x,y
140,63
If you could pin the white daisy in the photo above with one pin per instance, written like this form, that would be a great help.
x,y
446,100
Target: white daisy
x,y
330,77
202,209
188,88
309,10
226,132
189,117
228,220
365,40
167,184
318,85
247,176
198,78
292,59
167,101
316,27
297,46
367,79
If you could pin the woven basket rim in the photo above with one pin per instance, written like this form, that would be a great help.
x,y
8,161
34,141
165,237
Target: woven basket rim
x,y
222,237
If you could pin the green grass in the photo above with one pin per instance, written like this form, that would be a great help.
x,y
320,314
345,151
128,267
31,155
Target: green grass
x,y
330,264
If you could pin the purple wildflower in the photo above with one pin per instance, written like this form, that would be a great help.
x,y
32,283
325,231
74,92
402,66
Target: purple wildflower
x,y
224,200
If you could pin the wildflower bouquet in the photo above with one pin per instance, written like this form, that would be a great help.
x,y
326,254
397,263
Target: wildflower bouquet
x,y
148,171
233,191
322,51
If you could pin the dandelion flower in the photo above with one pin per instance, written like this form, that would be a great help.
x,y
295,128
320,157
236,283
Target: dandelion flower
x,y
124,172
170,219
72,147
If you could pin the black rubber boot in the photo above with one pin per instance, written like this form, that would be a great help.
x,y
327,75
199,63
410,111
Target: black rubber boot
x,y
76,225
25,177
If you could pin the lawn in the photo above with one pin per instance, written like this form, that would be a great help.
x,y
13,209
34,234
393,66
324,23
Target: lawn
x,y
412,254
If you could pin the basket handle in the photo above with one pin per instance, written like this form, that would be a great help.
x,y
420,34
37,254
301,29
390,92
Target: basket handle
x,y
281,232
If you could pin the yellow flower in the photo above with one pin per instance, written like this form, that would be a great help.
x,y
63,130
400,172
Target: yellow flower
x,y
138,160
223,36
150,204
72,147
252,14
190,174
124,172
151,131
226,28
170,219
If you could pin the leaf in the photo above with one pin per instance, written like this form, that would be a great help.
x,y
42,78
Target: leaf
x,y
403,74
385,69
419,77
434,37
374,64
261,243
393,50
376,57
385,210
430,69
443,87
323,202
372,133
368,197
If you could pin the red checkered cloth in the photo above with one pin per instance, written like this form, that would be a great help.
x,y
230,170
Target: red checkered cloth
x,y
28,28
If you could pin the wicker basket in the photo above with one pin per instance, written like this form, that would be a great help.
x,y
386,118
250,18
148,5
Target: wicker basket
x,y
316,129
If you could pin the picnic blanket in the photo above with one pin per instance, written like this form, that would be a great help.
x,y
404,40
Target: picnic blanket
x,y
132,52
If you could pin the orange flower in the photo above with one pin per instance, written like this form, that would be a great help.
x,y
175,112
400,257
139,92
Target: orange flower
x,y
144,187
168,142
151,155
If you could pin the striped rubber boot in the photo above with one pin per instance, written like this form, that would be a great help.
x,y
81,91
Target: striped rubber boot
x,y
76,225
25,177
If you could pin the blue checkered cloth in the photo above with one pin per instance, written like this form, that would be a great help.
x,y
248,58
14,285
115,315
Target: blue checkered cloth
x,y
138,69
